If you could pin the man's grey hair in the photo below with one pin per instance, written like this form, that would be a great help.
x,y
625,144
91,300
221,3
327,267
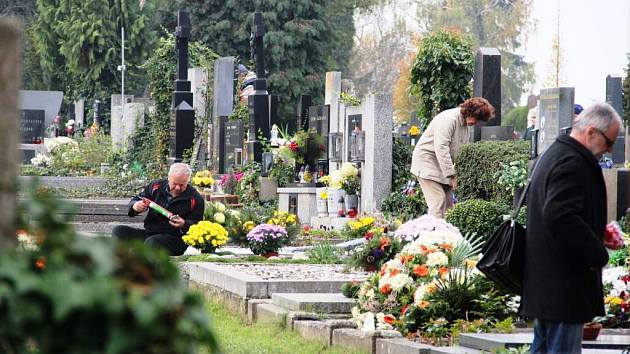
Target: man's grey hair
x,y
599,115
180,168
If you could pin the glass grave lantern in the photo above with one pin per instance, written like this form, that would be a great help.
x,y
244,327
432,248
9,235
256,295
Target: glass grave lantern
x,y
335,146
357,146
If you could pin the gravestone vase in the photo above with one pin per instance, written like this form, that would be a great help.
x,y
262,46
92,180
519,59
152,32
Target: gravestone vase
x,y
322,204
334,204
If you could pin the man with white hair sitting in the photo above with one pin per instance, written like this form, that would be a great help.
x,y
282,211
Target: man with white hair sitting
x,y
174,194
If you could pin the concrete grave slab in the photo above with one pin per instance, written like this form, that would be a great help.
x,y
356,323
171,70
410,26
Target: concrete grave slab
x,y
357,339
314,302
492,341
400,346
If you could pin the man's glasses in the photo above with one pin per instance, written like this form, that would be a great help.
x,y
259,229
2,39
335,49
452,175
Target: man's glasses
x,y
609,142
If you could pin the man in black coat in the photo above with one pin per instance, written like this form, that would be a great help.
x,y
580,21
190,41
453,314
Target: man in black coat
x,y
174,194
566,221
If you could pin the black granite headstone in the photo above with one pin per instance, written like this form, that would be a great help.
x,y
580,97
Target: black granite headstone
x,y
232,147
32,125
303,110
355,121
258,102
487,80
319,120
182,127
497,133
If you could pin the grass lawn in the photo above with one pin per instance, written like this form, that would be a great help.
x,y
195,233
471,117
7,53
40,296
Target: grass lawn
x,y
236,337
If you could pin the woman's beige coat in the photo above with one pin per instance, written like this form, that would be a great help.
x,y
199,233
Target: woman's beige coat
x,y
434,155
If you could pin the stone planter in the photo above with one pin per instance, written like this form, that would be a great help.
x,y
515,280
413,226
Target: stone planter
x,y
335,201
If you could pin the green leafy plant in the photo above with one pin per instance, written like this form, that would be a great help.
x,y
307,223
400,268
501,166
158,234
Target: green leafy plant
x,y
477,216
619,258
349,99
405,206
477,165
283,172
513,175
241,112
516,118
305,147
92,295
441,72
351,289
324,253
401,168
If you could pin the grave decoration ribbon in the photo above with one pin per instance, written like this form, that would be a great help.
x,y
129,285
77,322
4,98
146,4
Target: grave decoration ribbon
x,y
158,209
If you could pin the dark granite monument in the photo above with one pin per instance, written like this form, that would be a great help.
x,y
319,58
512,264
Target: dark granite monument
x,y
32,126
231,149
302,111
182,129
487,84
258,102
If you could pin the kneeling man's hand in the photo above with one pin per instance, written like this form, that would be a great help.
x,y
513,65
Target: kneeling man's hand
x,y
177,221
140,206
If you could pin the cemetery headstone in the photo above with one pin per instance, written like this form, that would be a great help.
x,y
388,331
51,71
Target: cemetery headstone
x,y
497,133
48,101
273,111
614,93
617,192
231,152
258,102
318,119
556,112
79,112
182,127
32,126
223,104
487,80
376,172
303,110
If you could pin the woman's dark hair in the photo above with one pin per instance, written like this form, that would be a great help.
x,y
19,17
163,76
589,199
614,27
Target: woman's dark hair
x,y
477,107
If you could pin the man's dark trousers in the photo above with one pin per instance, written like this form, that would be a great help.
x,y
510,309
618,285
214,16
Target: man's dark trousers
x,y
173,244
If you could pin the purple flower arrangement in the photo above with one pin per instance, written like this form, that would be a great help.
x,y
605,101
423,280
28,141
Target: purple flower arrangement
x,y
412,229
267,238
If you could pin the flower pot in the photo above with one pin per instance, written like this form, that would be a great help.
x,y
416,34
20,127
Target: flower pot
x,y
208,249
322,204
591,331
352,204
269,254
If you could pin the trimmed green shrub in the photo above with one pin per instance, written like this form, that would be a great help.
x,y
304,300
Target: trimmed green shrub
x,y
516,118
479,216
477,165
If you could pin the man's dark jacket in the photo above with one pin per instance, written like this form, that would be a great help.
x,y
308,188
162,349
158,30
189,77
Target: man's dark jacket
x,y
189,206
566,219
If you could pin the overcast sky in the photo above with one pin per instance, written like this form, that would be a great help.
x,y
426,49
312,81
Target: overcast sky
x,y
595,35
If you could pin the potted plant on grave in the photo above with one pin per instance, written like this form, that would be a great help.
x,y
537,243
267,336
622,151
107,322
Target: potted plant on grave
x,y
591,329
203,181
351,185
266,239
305,148
206,236
336,194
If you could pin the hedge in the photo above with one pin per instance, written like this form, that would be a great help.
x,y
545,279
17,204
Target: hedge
x,y
477,164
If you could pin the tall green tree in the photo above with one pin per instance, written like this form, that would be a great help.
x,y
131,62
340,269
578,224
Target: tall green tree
x,y
492,23
303,39
79,45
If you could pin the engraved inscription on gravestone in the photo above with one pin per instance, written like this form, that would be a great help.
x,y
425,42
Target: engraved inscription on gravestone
x,y
556,112
32,125
318,119
233,144
354,123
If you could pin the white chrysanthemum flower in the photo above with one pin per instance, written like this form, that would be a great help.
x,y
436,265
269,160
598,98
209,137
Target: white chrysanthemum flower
x,y
439,237
418,296
41,160
348,170
437,259
399,281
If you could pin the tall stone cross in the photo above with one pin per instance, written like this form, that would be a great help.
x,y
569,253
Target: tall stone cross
x,y
258,102
182,129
